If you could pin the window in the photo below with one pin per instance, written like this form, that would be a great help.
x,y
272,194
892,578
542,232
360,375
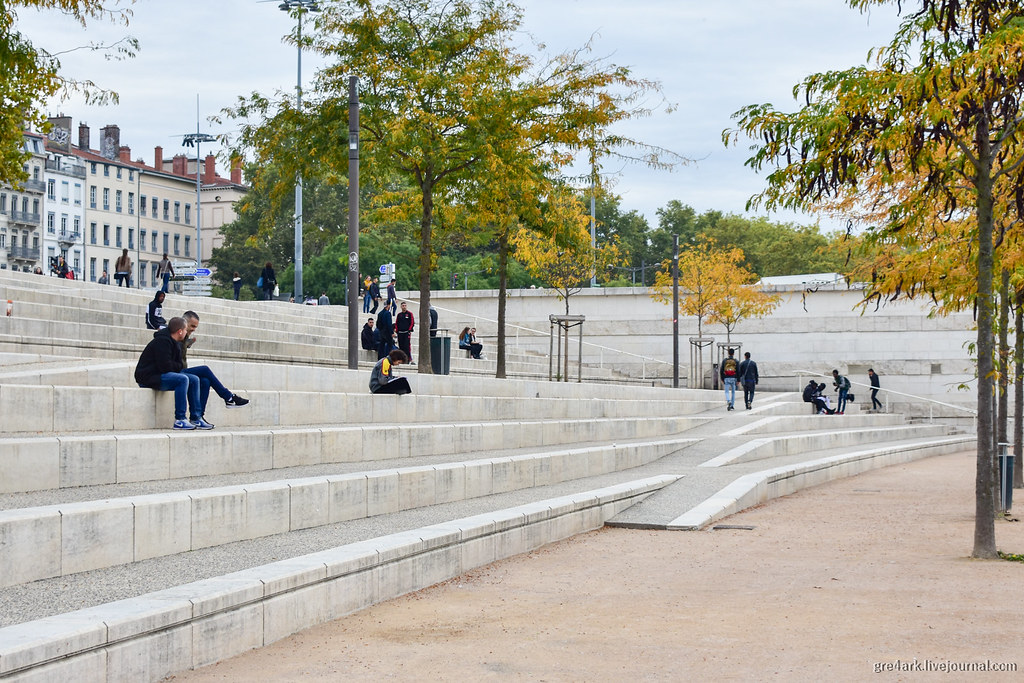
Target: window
x,y
117,201
153,214
167,241
63,224
106,199
177,212
155,268
131,238
78,194
106,235
177,244
93,166
142,239
78,225
154,241
131,175
92,233
142,273
3,203
118,172
35,207
188,214
65,191
50,220
76,262
142,205
131,203
188,241
92,270
167,210
92,196
106,170
106,266
51,190
3,243
117,236
50,253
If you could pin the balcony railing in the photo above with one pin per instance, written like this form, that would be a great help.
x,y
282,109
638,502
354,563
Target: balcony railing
x,y
23,253
25,218
66,169
69,237
35,186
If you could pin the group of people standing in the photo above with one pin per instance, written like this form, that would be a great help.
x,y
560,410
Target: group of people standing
x,y
389,333
371,294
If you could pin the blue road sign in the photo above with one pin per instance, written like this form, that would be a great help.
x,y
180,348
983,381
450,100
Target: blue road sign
x,y
203,272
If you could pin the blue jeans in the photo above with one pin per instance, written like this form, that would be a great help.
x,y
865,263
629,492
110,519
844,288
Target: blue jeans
x,y
186,391
748,393
207,380
167,282
366,302
730,390
841,407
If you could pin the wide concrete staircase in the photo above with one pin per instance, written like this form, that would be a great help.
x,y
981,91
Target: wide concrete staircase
x,y
130,552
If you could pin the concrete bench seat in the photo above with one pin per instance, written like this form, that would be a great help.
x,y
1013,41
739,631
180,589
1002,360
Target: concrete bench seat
x,y
819,442
152,636
68,538
39,463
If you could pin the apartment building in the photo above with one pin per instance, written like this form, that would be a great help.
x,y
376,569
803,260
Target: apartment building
x,y
21,212
63,204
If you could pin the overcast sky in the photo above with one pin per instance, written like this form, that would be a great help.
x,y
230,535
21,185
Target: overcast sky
x,y
710,56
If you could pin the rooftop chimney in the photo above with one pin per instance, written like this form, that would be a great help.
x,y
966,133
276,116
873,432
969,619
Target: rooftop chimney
x,y
124,153
236,171
210,172
83,136
158,158
110,141
179,165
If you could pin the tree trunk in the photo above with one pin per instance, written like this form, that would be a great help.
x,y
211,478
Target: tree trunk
x,y
502,289
426,250
984,484
1018,389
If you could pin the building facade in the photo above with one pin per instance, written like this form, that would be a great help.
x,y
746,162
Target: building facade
x,y
21,211
63,205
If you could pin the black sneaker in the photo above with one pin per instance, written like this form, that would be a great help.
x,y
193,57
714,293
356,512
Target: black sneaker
x,y
236,401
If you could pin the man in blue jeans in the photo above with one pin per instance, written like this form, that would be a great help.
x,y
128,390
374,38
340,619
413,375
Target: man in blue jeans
x,y
160,367
729,372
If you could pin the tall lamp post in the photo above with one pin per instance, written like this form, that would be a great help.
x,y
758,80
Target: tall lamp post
x,y
190,140
301,7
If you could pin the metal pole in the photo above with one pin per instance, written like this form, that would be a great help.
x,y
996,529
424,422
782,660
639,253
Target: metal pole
x,y
593,231
675,311
353,223
298,177
579,365
199,200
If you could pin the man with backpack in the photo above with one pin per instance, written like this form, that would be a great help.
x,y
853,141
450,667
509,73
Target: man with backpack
x,y
842,385
729,372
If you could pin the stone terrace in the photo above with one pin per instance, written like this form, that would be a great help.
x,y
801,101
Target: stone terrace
x,y
131,552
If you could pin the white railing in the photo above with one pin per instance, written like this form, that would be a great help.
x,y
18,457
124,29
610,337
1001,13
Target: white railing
x,y
644,360
931,402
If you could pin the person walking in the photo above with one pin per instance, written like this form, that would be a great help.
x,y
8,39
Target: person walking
x,y
236,283
268,280
366,294
729,371
375,293
164,271
875,385
392,301
123,269
842,385
748,378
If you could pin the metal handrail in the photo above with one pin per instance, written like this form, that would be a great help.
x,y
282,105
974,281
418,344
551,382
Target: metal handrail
x,y
931,401
540,333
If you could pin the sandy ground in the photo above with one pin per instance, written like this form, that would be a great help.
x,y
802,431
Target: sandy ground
x,y
832,583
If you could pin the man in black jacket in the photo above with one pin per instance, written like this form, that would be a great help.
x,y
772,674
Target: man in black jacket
x,y
161,368
405,323
366,336
386,330
375,293
748,379
155,312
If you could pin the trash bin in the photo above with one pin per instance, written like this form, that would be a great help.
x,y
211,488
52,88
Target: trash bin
x,y
441,354
1005,478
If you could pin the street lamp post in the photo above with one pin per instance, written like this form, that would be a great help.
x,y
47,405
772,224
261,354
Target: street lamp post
x,y
194,139
301,7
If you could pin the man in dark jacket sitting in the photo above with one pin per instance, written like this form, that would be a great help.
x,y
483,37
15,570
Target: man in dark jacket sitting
x,y
812,395
366,336
161,368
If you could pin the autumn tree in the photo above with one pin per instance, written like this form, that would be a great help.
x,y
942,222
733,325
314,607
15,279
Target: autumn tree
x,y
31,74
706,274
928,134
741,300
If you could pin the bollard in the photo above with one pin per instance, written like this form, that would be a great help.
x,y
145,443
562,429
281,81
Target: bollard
x,y
1005,478
10,308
